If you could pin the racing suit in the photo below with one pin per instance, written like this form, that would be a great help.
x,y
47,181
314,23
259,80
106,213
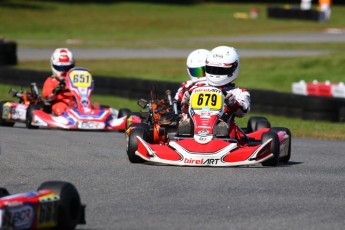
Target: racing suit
x,y
57,94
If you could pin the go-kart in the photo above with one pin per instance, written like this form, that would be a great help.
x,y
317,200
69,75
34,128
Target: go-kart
x,y
55,205
81,114
207,142
12,112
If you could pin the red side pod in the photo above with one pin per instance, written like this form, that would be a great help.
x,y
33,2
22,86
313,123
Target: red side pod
x,y
166,153
241,154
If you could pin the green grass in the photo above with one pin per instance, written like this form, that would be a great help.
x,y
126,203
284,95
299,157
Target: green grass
x,y
141,25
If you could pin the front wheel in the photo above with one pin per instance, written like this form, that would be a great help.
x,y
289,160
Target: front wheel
x,y
286,158
274,148
132,143
70,208
257,122
28,120
124,113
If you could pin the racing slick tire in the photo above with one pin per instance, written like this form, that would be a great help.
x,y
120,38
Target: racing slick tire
x,y
4,192
256,122
2,121
286,158
274,148
132,142
70,208
124,112
28,120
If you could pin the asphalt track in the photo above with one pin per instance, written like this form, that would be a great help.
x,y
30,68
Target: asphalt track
x,y
308,193
327,36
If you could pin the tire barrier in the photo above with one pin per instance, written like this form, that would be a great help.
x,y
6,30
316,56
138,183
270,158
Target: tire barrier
x,y
323,89
294,13
263,101
8,53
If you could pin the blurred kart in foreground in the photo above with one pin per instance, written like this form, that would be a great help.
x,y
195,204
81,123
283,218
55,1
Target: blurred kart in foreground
x,y
159,139
55,205
81,114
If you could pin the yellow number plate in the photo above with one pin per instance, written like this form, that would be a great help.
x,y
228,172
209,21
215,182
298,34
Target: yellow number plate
x,y
80,78
211,100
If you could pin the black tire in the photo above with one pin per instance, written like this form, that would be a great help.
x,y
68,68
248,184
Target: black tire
x,y
70,208
28,120
257,122
286,158
4,192
2,121
274,148
124,112
132,143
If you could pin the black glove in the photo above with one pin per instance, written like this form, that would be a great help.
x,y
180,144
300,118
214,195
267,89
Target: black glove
x,y
59,88
230,99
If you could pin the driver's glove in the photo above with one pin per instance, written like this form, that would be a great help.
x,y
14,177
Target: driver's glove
x,y
186,98
230,99
59,88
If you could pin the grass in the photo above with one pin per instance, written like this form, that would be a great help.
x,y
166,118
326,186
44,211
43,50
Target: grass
x,y
142,25
47,23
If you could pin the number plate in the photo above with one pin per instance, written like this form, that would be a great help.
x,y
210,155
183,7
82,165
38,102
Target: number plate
x,y
209,98
80,78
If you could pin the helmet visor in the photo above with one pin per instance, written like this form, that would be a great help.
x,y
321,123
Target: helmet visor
x,y
63,68
215,70
197,72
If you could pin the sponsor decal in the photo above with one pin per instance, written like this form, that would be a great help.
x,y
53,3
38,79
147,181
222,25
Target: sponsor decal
x,y
90,125
203,132
205,114
201,161
22,217
217,56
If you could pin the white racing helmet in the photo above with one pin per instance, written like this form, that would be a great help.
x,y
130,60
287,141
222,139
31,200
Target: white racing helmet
x,y
222,65
196,62
61,62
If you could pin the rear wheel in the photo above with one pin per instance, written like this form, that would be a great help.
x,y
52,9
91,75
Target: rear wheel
x,y
28,120
70,209
286,158
2,121
124,113
132,143
4,192
255,123
274,148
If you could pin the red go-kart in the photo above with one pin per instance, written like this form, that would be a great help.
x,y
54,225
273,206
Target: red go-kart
x,y
207,143
82,115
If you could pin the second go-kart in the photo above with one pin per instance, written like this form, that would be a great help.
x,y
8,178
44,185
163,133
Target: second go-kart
x,y
55,205
207,142
12,112
82,115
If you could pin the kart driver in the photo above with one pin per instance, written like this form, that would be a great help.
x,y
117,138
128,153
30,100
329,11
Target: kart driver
x,y
196,62
222,67
54,91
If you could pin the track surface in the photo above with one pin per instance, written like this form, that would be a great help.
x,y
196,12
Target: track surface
x,y
308,193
